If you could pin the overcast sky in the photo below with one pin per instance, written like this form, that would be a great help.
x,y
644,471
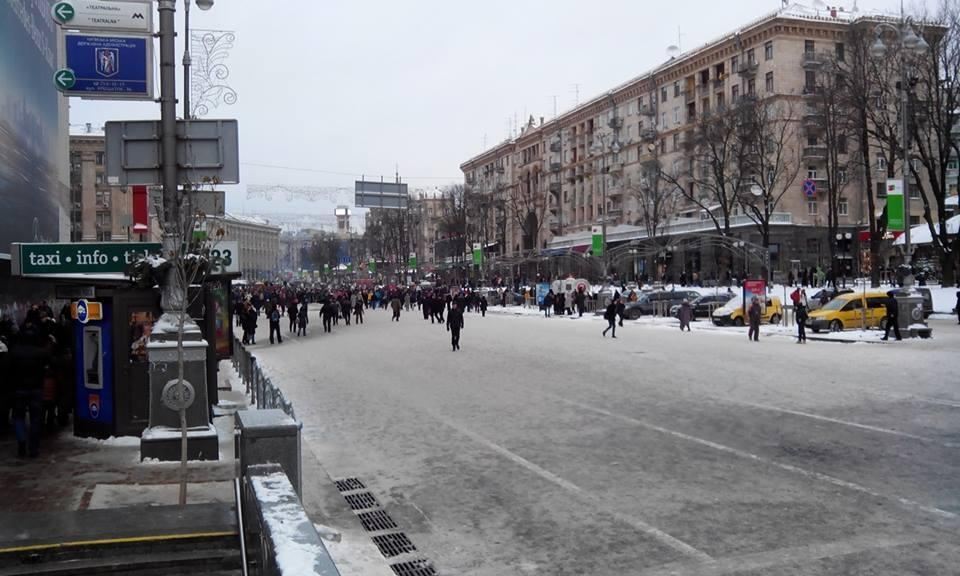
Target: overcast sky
x,y
349,87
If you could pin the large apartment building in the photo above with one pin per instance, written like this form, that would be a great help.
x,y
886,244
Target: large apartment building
x,y
558,179
98,211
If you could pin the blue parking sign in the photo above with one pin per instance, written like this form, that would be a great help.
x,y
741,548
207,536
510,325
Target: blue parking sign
x,y
109,66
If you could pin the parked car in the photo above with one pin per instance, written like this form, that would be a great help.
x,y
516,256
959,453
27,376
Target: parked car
x,y
648,303
732,313
813,300
704,305
846,311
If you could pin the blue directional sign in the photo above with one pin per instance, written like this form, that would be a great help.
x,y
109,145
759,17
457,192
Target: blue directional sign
x,y
109,66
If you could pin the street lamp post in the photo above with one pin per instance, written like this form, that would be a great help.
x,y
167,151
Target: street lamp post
x,y
909,42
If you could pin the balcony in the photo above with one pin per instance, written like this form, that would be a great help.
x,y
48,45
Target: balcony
x,y
615,168
555,187
616,123
648,135
812,90
703,90
813,119
748,69
689,94
718,83
647,110
554,166
812,60
555,146
816,152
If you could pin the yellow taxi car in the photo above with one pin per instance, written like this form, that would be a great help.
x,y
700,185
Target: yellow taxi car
x,y
846,311
733,313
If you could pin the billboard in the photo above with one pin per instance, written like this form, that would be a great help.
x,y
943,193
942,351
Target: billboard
x,y
33,126
369,194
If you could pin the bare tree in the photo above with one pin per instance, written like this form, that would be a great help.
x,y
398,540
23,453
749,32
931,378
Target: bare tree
x,y
771,158
829,141
714,174
529,208
935,105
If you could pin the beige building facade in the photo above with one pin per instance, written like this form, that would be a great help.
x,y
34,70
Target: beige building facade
x,y
98,212
558,179
258,242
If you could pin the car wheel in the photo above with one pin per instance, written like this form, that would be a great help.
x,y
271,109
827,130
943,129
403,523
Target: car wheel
x,y
775,319
836,326
633,316
816,330
738,322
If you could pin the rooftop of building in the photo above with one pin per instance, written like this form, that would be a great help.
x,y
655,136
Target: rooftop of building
x,y
88,130
817,12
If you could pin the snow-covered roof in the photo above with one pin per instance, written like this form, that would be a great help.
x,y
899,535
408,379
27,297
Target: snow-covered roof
x,y
951,201
920,234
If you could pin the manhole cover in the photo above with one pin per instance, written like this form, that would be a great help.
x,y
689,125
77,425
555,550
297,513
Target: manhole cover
x,y
414,568
361,501
376,520
391,545
348,484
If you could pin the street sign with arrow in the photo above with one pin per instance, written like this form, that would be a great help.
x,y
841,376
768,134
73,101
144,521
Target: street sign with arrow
x,y
104,15
64,78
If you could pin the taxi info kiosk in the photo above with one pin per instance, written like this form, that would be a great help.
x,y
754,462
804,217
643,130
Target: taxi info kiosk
x,y
112,321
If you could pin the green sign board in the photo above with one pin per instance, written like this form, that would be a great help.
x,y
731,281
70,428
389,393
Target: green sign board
x,y
597,244
412,261
895,216
372,267
78,258
477,254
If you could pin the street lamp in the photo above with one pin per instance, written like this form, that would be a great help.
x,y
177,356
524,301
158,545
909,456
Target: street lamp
x,y
601,148
908,42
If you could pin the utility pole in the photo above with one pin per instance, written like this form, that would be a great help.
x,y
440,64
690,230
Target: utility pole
x,y
173,292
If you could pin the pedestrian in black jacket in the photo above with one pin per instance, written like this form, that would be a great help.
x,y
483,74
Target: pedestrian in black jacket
x,y
801,316
611,317
273,313
29,360
893,317
483,304
327,313
455,325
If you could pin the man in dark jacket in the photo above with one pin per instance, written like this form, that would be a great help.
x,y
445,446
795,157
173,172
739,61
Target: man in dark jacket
x,y
292,311
801,317
893,317
483,305
29,360
273,314
610,315
455,325
395,305
580,299
327,314
754,313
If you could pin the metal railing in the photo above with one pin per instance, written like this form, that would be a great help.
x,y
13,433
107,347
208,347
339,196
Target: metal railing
x,y
263,393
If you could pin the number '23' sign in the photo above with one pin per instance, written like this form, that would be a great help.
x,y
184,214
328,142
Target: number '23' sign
x,y
224,258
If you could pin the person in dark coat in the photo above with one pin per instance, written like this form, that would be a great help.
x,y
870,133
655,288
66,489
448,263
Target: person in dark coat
x,y
274,315
437,307
358,312
801,316
547,303
483,306
327,314
395,305
250,324
455,325
292,312
611,317
302,320
621,308
957,309
893,317
29,361
580,299
754,314
686,313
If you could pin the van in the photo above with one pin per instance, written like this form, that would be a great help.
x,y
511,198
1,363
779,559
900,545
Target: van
x,y
846,311
733,313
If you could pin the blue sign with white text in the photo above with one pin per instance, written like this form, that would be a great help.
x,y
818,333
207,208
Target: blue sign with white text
x,y
109,65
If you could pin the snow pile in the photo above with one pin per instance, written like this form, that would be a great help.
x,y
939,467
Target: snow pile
x,y
112,441
296,544
155,261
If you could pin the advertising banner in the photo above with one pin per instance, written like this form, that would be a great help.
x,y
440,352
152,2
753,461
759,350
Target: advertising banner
x,y
477,254
895,217
753,288
542,289
597,244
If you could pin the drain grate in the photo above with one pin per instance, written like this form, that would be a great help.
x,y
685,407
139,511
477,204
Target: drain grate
x,y
348,484
376,520
361,501
395,544
414,568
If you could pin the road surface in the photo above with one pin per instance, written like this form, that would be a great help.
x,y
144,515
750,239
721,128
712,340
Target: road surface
x,y
543,448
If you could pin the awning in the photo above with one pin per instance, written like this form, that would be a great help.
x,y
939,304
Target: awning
x,y
864,235
580,249
554,252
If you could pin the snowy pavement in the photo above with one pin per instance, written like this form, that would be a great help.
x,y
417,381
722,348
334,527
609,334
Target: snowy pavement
x,y
543,448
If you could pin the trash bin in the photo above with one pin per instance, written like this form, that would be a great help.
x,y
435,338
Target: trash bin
x,y
270,437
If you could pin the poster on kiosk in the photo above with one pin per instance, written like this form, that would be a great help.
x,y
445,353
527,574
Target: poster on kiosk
x,y
753,288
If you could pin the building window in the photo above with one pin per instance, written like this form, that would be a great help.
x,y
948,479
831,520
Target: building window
x,y
812,208
663,145
676,142
768,51
676,115
811,140
841,176
99,158
734,64
99,179
842,143
914,221
734,94
812,172
720,101
676,89
881,163
915,191
810,81
841,52
751,87
809,46
843,207
663,94
751,56
881,190
769,82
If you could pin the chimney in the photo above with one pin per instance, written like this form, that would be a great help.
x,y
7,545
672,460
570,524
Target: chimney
x,y
89,128
541,120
